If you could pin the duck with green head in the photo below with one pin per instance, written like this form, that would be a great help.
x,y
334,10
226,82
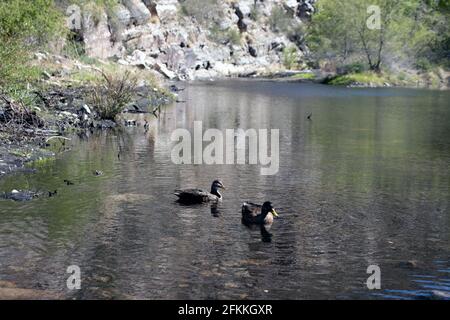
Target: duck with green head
x,y
256,214
194,196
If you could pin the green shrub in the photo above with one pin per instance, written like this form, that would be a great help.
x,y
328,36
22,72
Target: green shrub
x,y
234,36
304,76
401,76
279,20
290,57
24,26
230,35
255,13
365,78
356,67
424,64
201,10
36,21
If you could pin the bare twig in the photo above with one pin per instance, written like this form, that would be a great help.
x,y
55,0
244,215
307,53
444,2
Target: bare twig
x,y
57,137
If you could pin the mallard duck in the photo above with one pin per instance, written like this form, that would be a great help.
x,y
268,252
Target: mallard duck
x,y
192,196
52,194
256,214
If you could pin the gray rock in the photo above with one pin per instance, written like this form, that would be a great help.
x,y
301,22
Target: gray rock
x,y
138,10
252,51
97,35
138,58
161,68
122,14
19,195
178,46
167,9
245,7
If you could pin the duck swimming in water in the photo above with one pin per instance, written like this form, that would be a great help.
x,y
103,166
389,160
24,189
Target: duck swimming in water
x,y
97,173
193,196
257,214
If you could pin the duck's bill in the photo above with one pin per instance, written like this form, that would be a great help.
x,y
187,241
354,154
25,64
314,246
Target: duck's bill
x,y
223,187
274,213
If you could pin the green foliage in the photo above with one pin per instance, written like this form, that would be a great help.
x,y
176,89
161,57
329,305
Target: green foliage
x,y
36,21
290,57
234,36
355,67
230,35
423,64
24,26
202,10
279,20
410,30
74,49
255,12
98,3
303,76
431,79
282,21
362,78
433,20
14,71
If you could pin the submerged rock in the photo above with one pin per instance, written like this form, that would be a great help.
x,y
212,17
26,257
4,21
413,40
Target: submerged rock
x,y
19,195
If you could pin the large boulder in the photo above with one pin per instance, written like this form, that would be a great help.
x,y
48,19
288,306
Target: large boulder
x,y
227,19
174,57
149,38
122,14
97,35
244,7
292,4
140,59
140,14
162,68
167,9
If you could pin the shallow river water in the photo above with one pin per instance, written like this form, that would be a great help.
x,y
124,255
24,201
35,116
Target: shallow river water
x,y
365,182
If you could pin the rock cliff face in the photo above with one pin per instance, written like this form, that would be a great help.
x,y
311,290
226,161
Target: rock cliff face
x,y
191,39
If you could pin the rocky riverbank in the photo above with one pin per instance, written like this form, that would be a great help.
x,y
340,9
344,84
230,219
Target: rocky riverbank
x,y
194,39
207,39
61,105
165,40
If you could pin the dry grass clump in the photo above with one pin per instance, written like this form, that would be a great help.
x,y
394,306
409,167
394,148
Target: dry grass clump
x,y
113,93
